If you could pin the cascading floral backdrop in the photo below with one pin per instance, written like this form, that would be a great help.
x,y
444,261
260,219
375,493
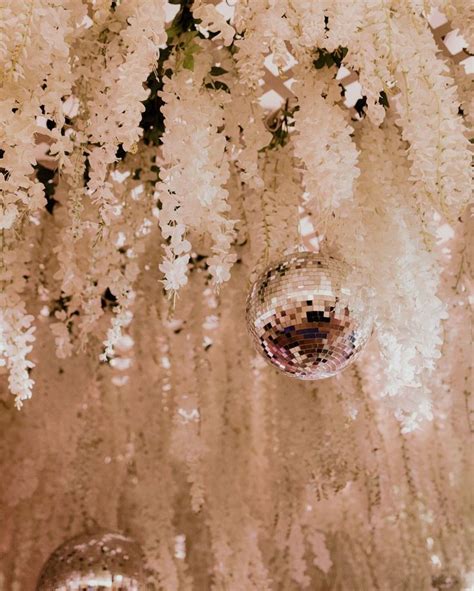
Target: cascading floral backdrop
x,y
144,187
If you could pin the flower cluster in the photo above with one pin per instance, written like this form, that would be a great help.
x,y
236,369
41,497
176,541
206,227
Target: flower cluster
x,y
324,145
192,187
144,121
409,321
438,148
272,224
152,148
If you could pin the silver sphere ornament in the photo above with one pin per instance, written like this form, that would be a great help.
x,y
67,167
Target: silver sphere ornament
x,y
103,560
305,318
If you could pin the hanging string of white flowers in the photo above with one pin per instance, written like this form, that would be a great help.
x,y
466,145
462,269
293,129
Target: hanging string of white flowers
x,y
272,224
323,143
408,324
35,75
192,182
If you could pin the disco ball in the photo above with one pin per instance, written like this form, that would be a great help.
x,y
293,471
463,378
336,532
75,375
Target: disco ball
x,y
103,560
304,317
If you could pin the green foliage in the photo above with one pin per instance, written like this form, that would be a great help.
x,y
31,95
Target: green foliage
x,y
213,84
181,35
183,22
328,59
218,85
280,126
217,71
186,48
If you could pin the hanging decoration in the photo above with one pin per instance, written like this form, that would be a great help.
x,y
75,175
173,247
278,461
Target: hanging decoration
x,y
157,158
305,317
102,560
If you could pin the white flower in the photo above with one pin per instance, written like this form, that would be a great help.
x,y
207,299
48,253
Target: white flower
x,y
324,145
192,187
175,270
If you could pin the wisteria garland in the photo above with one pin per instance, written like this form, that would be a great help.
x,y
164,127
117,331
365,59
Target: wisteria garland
x,y
138,161
188,94
324,145
192,187
409,325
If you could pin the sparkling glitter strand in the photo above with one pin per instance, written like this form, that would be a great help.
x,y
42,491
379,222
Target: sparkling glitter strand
x,y
305,318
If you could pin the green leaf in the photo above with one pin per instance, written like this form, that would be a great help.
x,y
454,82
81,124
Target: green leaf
x,y
320,62
328,59
338,55
189,48
217,71
217,85
172,31
188,36
188,61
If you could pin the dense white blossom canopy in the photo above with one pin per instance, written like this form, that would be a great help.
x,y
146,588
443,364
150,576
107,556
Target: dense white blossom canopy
x,y
144,185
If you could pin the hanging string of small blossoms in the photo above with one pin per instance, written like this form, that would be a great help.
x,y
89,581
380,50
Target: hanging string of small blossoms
x,y
197,105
